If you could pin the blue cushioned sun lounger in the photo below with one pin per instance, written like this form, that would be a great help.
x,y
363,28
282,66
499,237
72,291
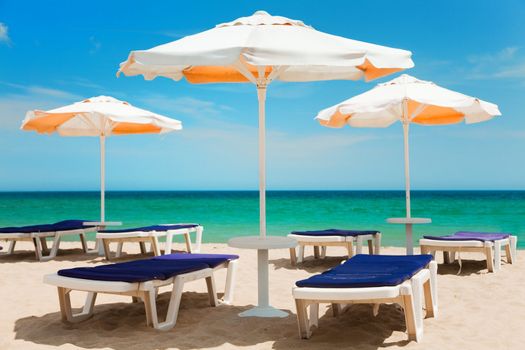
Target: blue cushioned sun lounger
x,y
141,279
371,279
151,234
334,237
39,233
488,243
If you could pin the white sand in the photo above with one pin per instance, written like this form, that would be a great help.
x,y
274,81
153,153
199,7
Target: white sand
x,y
478,310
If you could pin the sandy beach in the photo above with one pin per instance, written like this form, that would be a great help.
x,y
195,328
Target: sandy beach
x,y
478,310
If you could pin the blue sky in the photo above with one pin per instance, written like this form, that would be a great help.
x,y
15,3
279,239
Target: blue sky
x,y
57,52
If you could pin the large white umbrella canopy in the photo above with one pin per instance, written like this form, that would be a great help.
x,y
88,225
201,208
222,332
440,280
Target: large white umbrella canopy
x,y
259,49
408,100
100,116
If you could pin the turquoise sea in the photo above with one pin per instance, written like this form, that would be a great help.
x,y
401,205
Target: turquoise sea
x,y
226,214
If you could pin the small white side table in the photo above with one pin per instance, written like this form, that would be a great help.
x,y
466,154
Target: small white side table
x,y
99,247
408,222
263,245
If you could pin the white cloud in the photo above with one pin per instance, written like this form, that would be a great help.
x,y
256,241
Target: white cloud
x,y
185,105
95,45
4,35
507,63
13,106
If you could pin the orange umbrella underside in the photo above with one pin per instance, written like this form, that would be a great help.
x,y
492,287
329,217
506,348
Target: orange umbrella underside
x,y
430,115
230,74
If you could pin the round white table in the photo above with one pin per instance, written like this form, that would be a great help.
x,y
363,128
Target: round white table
x,y
408,222
263,245
99,247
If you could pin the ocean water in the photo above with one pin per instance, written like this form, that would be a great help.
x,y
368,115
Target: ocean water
x,y
226,214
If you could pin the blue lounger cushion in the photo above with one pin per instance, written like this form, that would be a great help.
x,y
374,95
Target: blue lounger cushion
x,y
158,228
66,225
369,271
471,236
335,232
134,271
212,260
157,268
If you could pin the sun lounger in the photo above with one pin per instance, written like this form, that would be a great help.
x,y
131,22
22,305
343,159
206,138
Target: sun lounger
x,y
489,244
372,279
151,234
334,237
141,279
38,234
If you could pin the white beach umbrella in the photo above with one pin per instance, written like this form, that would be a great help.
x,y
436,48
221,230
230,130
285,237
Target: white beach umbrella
x,y
100,116
410,101
260,49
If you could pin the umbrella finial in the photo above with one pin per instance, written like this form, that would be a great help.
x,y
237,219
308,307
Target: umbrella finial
x,y
261,13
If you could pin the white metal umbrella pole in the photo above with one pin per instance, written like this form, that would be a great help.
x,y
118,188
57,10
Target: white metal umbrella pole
x,y
102,176
261,96
406,126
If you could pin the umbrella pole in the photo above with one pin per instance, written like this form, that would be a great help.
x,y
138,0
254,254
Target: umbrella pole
x,y
261,96
102,176
408,224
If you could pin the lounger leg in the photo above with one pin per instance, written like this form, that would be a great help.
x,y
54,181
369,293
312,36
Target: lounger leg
x,y
198,239
302,319
446,257
316,252
212,293
377,243
359,245
142,248
43,242
490,259
65,306
375,309
107,250
497,255
187,238
150,307
83,242
508,253
155,246
168,244
314,315
410,309
293,257
230,282
370,247
54,249
513,241
11,249
120,246
350,248
38,249
300,257
336,309
173,308
323,251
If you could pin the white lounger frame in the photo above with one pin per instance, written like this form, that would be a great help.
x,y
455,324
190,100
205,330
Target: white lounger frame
x,y
374,245
39,240
151,237
147,291
410,295
492,250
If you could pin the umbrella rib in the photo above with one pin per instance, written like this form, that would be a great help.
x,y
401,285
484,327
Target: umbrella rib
x,y
241,67
418,111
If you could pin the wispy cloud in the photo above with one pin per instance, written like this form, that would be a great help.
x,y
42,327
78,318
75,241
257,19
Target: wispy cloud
x,y
189,106
4,35
95,45
508,63
22,98
40,91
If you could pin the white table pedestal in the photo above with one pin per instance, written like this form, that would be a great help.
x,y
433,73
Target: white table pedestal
x,y
263,245
408,222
